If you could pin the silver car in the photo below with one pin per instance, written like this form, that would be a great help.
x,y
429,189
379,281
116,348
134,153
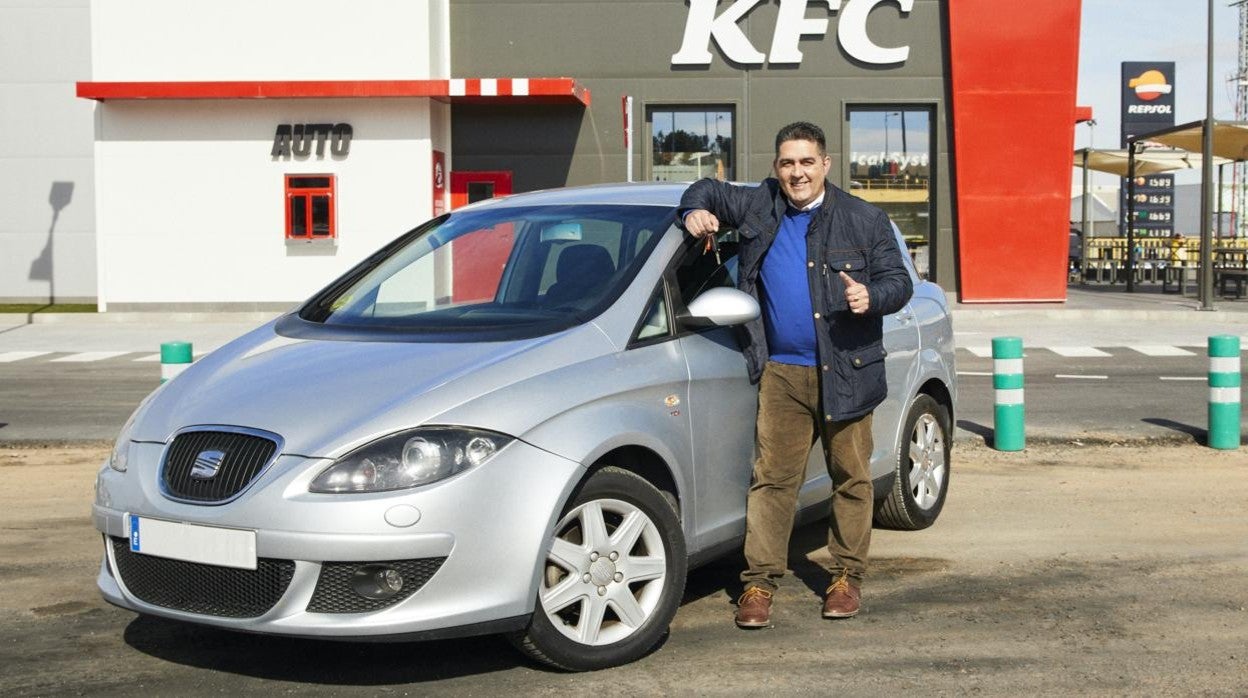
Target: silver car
x,y
530,416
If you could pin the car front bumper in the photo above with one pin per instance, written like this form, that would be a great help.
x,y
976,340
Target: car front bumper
x,y
490,524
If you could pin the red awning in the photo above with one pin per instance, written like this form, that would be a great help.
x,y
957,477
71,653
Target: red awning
x,y
527,90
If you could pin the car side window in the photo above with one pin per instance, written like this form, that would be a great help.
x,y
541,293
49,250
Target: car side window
x,y
697,270
656,322
701,269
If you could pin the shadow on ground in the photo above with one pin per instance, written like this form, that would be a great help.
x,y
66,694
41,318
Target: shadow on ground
x,y
984,432
319,661
1201,436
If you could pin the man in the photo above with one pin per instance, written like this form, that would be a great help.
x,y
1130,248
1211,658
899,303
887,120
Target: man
x,y
825,268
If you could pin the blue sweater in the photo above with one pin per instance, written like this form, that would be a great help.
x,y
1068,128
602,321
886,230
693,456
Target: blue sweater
x,y
787,313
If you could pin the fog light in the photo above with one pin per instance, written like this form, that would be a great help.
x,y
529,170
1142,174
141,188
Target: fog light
x,y
376,581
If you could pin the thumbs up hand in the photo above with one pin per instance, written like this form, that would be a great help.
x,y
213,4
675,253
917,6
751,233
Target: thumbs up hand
x,y
857,295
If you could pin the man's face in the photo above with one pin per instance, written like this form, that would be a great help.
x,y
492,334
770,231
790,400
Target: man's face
x,y
801,170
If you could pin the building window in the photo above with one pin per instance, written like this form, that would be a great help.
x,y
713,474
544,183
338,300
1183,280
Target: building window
x,y
890,165
691,142
310,210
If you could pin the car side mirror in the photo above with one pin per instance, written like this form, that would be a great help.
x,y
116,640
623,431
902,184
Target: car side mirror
x,y
721,307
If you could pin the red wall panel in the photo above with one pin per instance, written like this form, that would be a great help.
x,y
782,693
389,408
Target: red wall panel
x,y
1014,70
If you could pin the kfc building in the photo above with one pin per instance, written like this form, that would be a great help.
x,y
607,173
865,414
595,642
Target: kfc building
x,y
248,153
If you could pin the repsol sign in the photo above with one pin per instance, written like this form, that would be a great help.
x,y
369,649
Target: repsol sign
x,y
792,24
1150,109
299,140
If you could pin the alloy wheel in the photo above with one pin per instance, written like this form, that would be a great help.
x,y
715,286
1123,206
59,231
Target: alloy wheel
x,y
605,572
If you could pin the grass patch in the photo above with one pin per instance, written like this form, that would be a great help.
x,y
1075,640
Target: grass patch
x,y
33,308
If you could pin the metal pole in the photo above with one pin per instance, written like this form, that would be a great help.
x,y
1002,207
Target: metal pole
x,y
1130,216
1221,191
1083,239
628,136
1206,175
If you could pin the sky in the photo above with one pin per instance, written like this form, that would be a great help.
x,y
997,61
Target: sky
x,y
1113,31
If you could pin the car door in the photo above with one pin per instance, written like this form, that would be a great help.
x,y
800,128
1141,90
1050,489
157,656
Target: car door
x,y
722,405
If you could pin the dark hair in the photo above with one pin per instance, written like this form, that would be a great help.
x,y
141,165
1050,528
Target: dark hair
x,y
802,131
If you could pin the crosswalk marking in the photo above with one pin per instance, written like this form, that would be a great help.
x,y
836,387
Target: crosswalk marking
x,y
87,356
1161,350
150,357
11,356
1077,352
983,352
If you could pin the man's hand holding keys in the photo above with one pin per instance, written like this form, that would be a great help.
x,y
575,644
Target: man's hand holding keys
x,y
700,223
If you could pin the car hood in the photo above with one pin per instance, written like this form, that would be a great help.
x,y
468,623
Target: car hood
x,y
326,397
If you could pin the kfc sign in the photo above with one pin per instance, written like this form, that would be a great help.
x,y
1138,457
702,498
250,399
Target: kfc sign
x,y
791,25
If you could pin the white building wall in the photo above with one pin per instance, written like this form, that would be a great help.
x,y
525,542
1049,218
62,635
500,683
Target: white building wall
x,y
47,222
192,40
191,204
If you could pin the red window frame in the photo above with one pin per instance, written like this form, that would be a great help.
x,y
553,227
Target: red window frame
x,y
301,192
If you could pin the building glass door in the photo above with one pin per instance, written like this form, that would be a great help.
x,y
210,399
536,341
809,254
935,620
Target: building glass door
x,y
890,165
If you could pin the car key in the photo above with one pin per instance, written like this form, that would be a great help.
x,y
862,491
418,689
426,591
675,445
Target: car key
x,y
713,244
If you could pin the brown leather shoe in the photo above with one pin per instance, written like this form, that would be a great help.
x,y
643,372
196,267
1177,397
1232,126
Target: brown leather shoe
x,y
842,598
754,608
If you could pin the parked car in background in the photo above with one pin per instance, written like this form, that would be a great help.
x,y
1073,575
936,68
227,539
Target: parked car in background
x,y
529,416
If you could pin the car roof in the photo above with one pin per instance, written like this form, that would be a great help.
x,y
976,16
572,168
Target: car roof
x,y
638,194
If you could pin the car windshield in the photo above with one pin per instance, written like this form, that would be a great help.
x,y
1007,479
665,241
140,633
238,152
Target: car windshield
x,y
495,272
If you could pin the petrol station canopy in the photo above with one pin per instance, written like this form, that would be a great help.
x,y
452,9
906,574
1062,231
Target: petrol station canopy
x,y
1150,160
1230,139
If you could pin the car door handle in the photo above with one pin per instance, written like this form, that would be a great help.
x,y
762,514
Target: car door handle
x,y
904,317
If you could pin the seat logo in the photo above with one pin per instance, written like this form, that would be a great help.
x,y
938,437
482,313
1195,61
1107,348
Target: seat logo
x,y
207,464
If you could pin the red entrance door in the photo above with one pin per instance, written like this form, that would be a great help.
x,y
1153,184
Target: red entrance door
x,y
477,260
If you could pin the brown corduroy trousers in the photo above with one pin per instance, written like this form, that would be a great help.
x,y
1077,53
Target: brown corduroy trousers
x,y
789,421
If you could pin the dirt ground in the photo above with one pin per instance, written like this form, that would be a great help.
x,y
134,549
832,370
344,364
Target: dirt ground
x,y
1063,569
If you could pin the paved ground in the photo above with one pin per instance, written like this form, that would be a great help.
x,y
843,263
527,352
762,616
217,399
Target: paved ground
x,y
1059,570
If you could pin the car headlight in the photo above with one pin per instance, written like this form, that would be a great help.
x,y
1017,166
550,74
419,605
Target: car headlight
x,y
409,459
118,459
120,456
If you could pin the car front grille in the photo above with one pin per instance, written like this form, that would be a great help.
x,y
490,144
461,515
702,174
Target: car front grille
x,y
214,466
335,592
204,589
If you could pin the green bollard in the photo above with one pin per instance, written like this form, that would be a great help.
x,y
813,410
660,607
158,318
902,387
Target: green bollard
x,y
174,358
1007,380
1224,400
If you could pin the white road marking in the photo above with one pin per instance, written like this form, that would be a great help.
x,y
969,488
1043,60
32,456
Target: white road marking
x,y
974,373
11,356
1161,350
1077,352
981,351
87,356
149,357
1093,378
1182,378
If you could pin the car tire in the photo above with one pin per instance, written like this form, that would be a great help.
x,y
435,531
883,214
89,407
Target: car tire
x,y
921,476
594,611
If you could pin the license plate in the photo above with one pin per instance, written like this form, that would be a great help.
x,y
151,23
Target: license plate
x,y
209,545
